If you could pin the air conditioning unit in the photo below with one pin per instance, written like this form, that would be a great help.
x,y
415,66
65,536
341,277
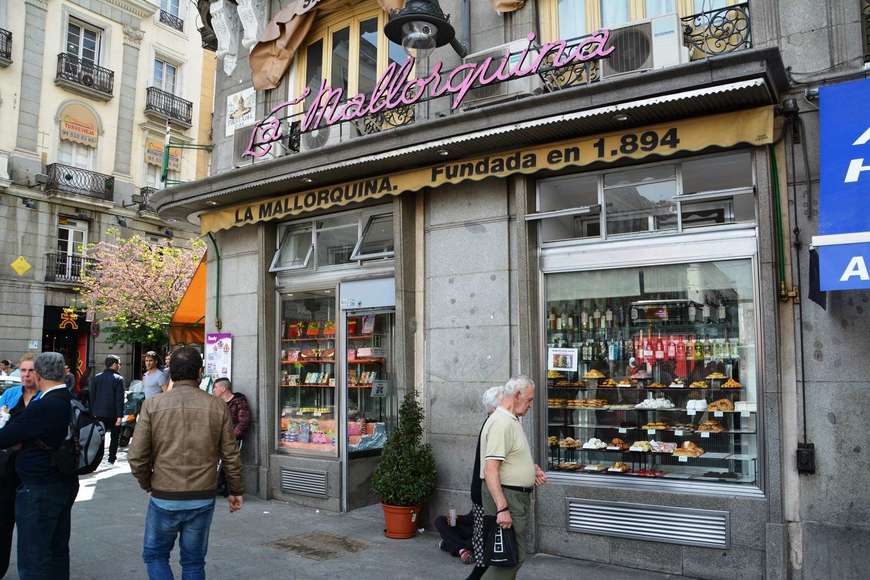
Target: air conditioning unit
x,y
651,44
503,91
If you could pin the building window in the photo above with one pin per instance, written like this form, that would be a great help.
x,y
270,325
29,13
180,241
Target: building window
x,y
713,190
72,235
76,155
170,6
344,239
349,51
165,75
83,41
152,177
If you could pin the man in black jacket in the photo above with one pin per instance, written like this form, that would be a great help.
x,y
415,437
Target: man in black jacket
x,y
46,496
107,400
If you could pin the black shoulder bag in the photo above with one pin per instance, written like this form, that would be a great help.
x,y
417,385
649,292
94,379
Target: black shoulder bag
x,y
499,544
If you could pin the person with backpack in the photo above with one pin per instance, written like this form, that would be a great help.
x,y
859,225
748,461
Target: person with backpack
x,y
107,401
45,497
181,436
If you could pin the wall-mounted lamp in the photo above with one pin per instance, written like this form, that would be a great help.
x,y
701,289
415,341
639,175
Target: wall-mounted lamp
x,y
121,221
28,203
421,27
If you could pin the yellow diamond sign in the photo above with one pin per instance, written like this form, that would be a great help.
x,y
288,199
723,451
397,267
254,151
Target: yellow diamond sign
x,y
21,266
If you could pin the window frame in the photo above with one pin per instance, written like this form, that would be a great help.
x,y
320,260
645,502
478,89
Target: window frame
x,y
356,256
166,6
274,267
678,199
165,62
549,15
84,26
323,31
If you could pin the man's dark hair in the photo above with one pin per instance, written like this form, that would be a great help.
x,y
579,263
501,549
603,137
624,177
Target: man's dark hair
x,y
229,383
112,359
184,364
5,362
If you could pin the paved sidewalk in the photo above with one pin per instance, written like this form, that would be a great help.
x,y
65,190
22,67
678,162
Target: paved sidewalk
x,y
273,540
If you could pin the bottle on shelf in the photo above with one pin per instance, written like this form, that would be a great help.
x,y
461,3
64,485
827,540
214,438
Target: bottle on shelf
x,y
692,312
584,319
720,311
551,319
705,311
671,352
659,349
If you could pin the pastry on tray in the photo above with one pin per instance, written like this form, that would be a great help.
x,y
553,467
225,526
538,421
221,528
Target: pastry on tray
x,y
552,440
592,404
640,446
656,386
607,383
689,449
721,405
568,443
657,425
617,444
697,405
619,467
655,404
594,443
710,426
597,467
677,384
716,376
625,382
593,374
685,427
662,446
556,403
731,384
698,385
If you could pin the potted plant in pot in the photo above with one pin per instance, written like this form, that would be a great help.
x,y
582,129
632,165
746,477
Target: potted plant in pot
x,y
406,474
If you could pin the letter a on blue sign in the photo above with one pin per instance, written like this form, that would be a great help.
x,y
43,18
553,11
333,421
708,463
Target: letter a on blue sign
x,y
844,220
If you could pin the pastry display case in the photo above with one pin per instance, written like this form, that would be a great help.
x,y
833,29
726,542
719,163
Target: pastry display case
x,y
307,379
651,372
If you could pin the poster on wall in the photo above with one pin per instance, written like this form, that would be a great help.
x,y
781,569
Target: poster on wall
x,y
219,355
240,110
562,359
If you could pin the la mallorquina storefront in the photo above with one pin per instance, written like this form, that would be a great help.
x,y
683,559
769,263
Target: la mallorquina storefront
x,y
618,249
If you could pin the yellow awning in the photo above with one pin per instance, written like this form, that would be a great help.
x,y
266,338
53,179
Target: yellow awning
x,y
188,322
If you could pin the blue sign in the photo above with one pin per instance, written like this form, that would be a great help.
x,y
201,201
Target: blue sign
x,y
844,197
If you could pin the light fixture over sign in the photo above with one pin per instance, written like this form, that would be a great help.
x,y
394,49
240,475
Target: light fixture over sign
x,y
420,27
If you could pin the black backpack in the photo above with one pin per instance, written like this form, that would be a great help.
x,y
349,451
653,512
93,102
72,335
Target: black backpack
x,y
82,450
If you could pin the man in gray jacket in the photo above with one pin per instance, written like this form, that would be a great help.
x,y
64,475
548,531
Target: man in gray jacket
x,y
107,401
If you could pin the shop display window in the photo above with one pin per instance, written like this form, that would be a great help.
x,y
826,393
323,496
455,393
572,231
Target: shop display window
x,y
651,372
670,197
307,391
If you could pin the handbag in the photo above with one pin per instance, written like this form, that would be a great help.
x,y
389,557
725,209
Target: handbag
x,y
499,544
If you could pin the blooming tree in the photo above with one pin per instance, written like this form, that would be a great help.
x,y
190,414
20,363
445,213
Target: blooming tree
x,y
137,285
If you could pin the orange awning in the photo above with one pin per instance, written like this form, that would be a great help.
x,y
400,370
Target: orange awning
x,y
188,322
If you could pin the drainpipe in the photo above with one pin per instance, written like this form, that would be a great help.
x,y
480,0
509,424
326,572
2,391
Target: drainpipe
x,y
217,295
463,45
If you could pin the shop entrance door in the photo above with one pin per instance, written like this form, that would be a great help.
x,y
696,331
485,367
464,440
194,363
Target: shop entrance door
x,y
368,394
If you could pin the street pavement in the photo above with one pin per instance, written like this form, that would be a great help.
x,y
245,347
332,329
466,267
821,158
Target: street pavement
x,y
274,540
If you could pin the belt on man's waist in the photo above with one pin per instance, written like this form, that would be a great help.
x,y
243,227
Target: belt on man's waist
x,y
518,488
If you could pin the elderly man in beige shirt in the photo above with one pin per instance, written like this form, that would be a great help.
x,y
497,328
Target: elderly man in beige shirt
x,y
507,467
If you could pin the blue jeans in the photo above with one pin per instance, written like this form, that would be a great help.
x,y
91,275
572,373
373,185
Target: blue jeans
x,y
42,514
161,528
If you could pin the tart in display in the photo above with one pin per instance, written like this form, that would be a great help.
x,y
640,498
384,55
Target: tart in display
x,y
593,374
716,376
732,384
710,426
625,382
619,467
568,443
609,383
656,425
552,440
640,446
617,444
721,405
698,385
656,386
689,449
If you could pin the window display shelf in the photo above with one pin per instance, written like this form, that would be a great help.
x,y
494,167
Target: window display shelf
x,y
310,339
309,361
307,386
678,432
674,410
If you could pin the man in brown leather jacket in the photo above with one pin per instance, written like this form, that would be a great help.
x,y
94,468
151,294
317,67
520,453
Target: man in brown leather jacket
x,y
180,437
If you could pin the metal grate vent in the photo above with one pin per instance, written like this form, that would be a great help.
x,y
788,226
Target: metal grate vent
x,y
648,522
303,482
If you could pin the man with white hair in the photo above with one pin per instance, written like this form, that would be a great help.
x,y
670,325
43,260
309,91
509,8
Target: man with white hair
x,y
507,467
46,495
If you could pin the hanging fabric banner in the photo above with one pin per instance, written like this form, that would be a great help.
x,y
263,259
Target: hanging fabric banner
x,y
752,127
78,125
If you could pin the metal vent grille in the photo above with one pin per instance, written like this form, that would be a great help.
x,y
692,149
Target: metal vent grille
x,y
648,522
303,482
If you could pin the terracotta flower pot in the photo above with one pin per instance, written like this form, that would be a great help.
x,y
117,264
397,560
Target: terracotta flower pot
x,y
401,521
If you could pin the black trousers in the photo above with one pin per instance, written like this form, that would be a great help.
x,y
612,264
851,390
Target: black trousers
x,y
456,537
115,431
8,486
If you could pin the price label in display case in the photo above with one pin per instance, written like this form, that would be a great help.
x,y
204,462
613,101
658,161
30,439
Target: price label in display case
x,y
705,435
682,459
379,388
718,414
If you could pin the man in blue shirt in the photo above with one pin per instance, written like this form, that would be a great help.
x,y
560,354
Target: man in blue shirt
x,y
46,496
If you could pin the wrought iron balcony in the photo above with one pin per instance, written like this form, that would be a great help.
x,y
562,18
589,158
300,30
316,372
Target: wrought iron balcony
x,y
68,179
171,20
84,76
165,106
865,27
67,268
5,47
718,31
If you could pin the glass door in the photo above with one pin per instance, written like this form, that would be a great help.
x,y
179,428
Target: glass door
x,y
370,396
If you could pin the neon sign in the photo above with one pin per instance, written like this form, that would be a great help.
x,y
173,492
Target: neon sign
x,y
395,89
